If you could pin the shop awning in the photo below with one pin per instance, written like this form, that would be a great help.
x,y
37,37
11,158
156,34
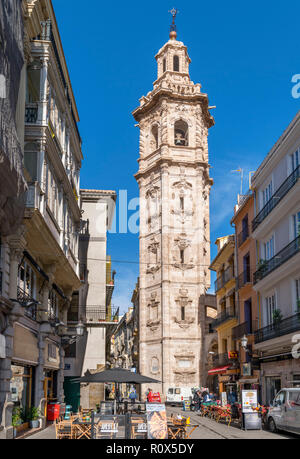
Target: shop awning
x,y
216,370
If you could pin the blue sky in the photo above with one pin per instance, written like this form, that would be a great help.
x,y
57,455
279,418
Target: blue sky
x,y
244,55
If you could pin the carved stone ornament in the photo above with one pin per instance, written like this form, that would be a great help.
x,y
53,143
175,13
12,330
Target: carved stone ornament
x,y
182,184
154,321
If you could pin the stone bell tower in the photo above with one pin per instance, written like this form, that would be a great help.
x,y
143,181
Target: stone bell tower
x,y
174,185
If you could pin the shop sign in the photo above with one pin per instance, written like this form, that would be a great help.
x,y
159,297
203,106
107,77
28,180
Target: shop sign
x,y
2,347
157,421
249,400
232,355
251,421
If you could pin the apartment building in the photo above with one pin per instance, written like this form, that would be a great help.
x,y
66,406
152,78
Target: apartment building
x,y
225,362
93,304
43,266
245,255
276,230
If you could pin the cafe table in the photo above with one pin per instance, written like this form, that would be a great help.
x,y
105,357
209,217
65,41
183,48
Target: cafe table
x,y
181,430
83,428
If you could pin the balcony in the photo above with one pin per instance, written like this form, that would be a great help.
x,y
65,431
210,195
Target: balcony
x,y
276,198
218,360
243,236
225,277
31,113
98,314
267,266
246,328
223,317
245,278
284,327
24,298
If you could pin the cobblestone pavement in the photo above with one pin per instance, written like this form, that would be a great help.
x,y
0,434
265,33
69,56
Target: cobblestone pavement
x,y
46,434
210,429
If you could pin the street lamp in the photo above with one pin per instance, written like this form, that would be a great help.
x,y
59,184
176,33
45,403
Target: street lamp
x,y
244,342
80,329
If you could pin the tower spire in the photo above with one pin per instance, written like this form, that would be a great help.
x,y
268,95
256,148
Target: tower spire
x,y
173,28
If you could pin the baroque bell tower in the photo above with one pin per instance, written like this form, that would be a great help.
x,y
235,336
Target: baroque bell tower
x,y
174,184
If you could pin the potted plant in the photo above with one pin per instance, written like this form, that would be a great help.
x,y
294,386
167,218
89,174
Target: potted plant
x,y
262,266
16,419
277,317
34,417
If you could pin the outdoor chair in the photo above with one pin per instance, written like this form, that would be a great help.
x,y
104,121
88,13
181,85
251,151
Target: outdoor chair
x,y
64,429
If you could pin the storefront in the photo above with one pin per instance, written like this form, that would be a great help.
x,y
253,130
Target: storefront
x,y
51,369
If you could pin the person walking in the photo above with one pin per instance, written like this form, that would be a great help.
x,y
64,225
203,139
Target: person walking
x,y
133,395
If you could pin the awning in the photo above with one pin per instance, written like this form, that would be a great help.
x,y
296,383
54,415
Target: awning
x,y
216,370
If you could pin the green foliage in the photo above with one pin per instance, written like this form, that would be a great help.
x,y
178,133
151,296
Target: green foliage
x,y
18,416
34,414
277,316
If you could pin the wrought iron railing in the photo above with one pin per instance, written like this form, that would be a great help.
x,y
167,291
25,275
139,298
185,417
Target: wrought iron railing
x,y
246,328
98,314
246,277
31,113
224,316
222,359
243,235
225,277
279,328
28,302
267,266
277,197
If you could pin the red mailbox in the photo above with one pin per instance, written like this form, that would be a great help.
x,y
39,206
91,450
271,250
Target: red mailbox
x,y
53,411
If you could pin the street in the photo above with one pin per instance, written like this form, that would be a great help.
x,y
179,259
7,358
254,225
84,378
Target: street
x,y
208,430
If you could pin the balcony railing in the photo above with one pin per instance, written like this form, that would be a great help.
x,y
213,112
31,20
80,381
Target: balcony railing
x,y
267,266
284,327
246,328
228,314
243,236
277,197
24,298
102,314
225,277
246,277
31,113
222,359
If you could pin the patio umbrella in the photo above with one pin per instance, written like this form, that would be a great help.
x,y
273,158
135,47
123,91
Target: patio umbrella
x,y
116,375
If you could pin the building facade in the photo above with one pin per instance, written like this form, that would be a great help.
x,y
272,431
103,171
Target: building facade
x,y
41,260
174,186
245,249
226,361
276,229
92,305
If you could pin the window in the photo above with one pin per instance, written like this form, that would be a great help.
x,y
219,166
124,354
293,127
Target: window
x,y
170,391
154,138
27,280
178,391
295,160
52,306
164,65
176,64
182,313
280,399
181,133
30,160
270,308
296,224
267,193
182,203
269,249
181,256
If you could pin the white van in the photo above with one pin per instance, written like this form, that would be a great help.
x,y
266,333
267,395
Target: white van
x,y
284,412
179,394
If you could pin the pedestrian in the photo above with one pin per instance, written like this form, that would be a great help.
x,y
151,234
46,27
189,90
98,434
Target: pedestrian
x,y
132,395
149,395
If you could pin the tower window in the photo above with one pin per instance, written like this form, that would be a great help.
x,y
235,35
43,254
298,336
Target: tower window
x,y
176,64
164,65
154,137
182,203
181,131
182,256
182,313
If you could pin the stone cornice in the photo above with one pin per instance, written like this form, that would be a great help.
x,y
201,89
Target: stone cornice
x,y
172,162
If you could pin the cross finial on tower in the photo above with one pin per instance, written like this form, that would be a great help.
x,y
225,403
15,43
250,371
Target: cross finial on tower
x,y
173,31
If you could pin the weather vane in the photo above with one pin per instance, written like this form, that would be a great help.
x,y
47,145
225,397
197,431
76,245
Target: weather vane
x,y
174,13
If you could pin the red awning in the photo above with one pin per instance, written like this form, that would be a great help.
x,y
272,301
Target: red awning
x,y
216,370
